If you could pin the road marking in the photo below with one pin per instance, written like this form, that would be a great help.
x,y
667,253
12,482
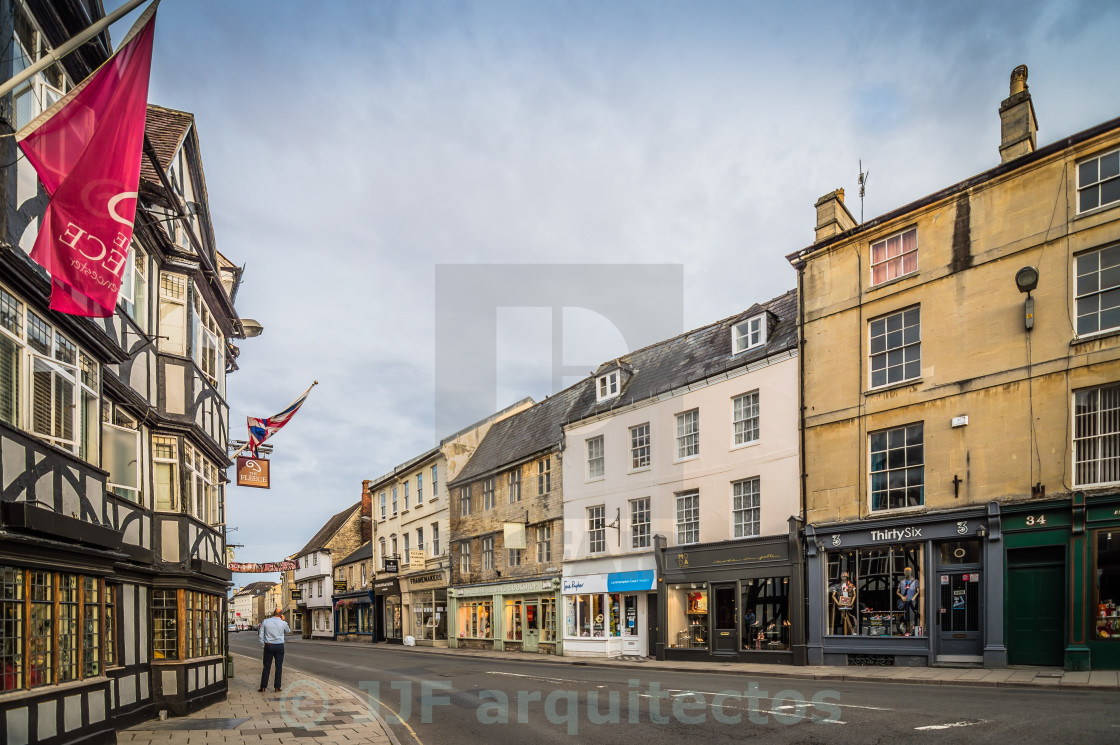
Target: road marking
x,y
951,725
678,692
547,680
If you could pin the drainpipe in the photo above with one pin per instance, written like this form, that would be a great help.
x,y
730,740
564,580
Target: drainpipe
x,y
806,591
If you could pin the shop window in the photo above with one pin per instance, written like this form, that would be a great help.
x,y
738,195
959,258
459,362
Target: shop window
x,y
876,592
548,619
11,629
630,615
513,620
765,603
165,638
589,616
475,618
392,617
960,552
687,609
91,627
1107,591
68,633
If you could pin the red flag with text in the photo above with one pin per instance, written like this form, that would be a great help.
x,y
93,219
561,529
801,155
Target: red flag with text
x,y
87,150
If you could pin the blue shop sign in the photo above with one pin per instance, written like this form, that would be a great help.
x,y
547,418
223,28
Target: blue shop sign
x,y
646,579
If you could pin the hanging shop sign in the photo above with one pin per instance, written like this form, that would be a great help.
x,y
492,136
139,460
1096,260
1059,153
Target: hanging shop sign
x,y
272,566
252,472
392,566
297,594
417,557
340,585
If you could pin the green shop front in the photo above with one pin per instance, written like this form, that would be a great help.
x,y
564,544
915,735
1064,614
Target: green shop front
x,y
1062,587
519,616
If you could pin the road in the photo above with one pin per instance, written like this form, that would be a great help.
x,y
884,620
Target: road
x,y
434,698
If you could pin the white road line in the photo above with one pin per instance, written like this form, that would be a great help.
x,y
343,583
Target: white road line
x,y
678,692
950,725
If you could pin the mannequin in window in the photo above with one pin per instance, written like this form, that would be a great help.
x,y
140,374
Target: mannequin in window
x,y
908,599
844,598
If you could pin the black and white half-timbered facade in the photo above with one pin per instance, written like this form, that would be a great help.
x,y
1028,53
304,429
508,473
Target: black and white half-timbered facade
x,y
113,436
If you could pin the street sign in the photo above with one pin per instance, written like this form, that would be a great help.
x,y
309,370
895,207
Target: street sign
x,y
252,472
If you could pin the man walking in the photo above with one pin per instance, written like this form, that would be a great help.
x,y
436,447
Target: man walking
x,y
271,634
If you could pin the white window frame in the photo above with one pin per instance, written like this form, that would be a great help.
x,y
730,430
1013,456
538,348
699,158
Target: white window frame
x,y
688,517
384,503
171,462
207,337
888,469
880,328
544,543
420,488
596,467
608,386
406,494
745,424
1097,182
488,552
420,538
688,434
1089,290
113,432
597,529
1103,421
513,557
640,447
435,539
435,482
749,334
893,266
394,491
746,510
172,327
640,526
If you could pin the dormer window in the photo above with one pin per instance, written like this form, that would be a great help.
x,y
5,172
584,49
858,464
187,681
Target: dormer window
x,y
749,334
608,386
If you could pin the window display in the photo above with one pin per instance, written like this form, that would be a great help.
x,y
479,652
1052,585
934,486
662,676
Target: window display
x,y
1107,596
876,592
475,619
392,616
688,616
586,616
766,613
548,619
513,620
429,614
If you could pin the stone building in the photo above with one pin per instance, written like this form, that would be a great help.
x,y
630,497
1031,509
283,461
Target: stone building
x,y
681,498
961,373
340,536
113,433
353,596
412,563
510,493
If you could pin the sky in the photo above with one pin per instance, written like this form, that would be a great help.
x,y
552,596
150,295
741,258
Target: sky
x,y
351,148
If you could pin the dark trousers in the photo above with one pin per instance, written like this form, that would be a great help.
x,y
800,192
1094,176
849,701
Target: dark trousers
x,y
272,652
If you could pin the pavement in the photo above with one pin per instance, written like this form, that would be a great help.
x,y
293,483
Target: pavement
x,y
1012,677
308,709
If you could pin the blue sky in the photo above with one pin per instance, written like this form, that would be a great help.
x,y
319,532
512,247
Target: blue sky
x,y
351,147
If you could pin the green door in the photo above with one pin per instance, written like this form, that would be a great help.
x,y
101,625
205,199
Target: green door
x,y
1036,606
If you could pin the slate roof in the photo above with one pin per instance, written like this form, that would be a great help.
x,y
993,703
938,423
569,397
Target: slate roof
x,y
332,526
255,588
363,552
522,435
693,356
659,368
166,129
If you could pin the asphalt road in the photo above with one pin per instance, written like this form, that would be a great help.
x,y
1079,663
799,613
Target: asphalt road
x,y
439,699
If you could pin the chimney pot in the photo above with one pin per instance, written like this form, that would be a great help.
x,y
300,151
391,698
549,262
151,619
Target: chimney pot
x,y
1018,124
832,216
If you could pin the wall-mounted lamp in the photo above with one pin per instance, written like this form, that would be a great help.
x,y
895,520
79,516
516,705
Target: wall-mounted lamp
x,y
1026,279
981,532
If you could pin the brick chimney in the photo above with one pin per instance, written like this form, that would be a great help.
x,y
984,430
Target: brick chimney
x,y
832,216
367,511
1018,124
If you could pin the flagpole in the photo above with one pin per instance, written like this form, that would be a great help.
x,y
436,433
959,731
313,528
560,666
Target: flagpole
x,y
73,43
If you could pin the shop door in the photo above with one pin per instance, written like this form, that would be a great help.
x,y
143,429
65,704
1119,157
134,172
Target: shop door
x,y
653,635
532,625
725,639
1036,606
958,614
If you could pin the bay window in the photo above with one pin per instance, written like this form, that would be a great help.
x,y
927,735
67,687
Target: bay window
x,y
165,462
207,343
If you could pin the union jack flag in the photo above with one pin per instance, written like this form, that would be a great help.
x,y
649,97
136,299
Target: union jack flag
x,y
261,429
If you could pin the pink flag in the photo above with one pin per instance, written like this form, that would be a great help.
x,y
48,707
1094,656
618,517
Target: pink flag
x,y
87,149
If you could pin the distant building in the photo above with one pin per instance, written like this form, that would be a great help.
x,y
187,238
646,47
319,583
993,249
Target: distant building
x,y
340,536
353,596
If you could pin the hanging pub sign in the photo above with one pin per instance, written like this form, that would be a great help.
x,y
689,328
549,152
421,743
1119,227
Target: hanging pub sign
x,y
272,566
340,585
252,472
392,565
297,594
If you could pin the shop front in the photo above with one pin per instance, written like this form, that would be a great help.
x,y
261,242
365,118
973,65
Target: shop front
x,y
916,590
516,616
425,596
388,611
1063,582
353,616
734,600
607,614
